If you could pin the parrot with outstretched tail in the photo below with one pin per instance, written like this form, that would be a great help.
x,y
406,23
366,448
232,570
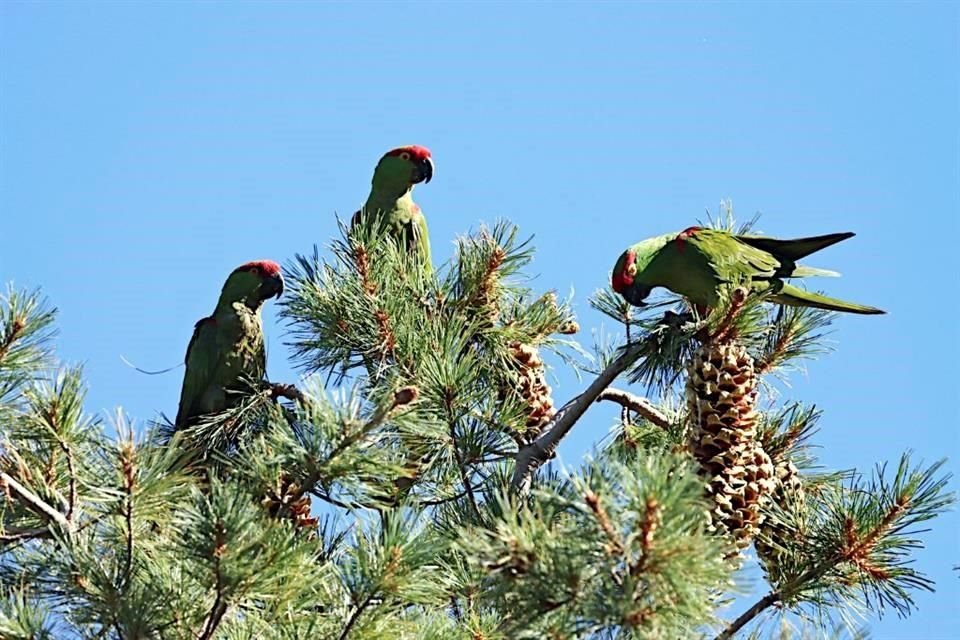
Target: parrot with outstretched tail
x,y
697,261
390,202
227,347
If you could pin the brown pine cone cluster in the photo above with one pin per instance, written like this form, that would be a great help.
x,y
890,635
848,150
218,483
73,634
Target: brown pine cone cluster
x,y
777,536
721,399
485,304
531,386
285,500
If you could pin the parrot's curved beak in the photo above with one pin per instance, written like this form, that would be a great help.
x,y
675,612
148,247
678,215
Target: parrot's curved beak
x,y
424,171
272,287
635,295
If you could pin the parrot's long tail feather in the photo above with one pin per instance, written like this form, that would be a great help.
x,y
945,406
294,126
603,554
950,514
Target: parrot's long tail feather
x,y
803,271
795,297
796,248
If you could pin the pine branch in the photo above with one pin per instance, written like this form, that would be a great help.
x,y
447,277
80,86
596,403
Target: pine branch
x,y
639,405
51,420
127,465
758,607
26,329
18,535
672,330
791,333
912,497
533,455
71,471
10,336
356,616
464,475
219,608
614,544
33,502
401,398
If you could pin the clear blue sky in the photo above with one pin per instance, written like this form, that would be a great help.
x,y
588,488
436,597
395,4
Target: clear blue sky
x,y
147,149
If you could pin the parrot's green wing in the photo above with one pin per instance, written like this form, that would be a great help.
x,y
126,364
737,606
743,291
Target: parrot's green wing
x,y
201,362
795,249
732,259
405,223
226,352
422,237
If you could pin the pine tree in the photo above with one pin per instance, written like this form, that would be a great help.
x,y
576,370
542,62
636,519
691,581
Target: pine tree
x,y
405,490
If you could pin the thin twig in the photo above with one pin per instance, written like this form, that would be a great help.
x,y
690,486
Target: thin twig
x,y
455,609
533,455
402,397
216,615
129,518
648,530
25,535
759,606
72,500
22,535
355,616
464,476
725,330
15,328
637,404
615,544
129,471
33,502
219,607
52,425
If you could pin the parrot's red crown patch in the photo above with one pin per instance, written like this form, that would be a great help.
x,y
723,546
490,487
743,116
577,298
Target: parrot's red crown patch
x,y
266,267
623,279
416,152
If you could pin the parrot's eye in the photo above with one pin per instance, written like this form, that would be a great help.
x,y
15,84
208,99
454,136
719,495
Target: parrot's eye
x,y
632,270
405,155
255,271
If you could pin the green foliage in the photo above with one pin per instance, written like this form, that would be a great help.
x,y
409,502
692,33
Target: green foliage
x,y
617,547
377,503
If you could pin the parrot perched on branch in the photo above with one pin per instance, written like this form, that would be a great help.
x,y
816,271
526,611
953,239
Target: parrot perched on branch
x,y
695,262
227,347
391,198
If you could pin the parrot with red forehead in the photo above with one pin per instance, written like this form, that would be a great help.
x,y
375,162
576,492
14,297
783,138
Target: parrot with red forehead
x,y
697,261
227,348
391,198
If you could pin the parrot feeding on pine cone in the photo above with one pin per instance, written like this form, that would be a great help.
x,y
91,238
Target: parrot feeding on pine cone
x,y
227,348
697,261
390,202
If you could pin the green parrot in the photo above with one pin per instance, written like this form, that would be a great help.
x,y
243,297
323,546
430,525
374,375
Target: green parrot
x,y
391,197
227,347
696,261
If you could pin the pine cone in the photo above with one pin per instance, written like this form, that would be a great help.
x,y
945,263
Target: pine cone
x,y
485,303
721,399
569,328
285,501
789,495
531,387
